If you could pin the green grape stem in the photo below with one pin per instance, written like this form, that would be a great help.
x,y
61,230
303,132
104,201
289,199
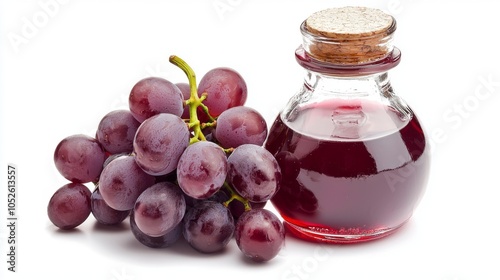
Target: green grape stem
x,y
194,100
235,195
205,109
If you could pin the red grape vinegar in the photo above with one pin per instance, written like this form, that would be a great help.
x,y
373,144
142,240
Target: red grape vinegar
x,y
353,170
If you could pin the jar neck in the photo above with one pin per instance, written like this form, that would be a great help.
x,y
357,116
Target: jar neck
x,y
384,64
369,81
373,86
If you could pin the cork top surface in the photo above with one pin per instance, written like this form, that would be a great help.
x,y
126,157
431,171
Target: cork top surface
x,y
348,22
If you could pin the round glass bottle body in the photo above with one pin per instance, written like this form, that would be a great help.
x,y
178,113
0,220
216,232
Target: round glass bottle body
x,y
354,156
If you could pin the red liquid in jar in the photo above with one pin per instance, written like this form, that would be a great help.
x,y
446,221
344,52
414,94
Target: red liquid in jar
x,y
352,170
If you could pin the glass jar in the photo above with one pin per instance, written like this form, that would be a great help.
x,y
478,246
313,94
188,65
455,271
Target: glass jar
x,y
354,156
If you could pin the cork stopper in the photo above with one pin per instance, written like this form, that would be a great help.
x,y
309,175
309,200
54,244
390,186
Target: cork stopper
x,y
348,35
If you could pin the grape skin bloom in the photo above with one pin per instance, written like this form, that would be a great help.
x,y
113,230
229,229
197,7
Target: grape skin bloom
x,y
202,169
116,131
69,206
240,125
79,158
254,173
159,143
159,209
260,235
151,96
122,181
208,226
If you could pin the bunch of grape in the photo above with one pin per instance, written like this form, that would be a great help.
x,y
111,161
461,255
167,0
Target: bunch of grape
x,y
186,161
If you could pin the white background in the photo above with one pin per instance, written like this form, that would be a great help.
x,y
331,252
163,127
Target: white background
x,y
63,66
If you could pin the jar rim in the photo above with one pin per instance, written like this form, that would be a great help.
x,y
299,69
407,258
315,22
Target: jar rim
x,y
384,64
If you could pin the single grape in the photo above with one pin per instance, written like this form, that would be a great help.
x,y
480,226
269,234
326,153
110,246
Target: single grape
x,y
202,169
116,131
259,234
186,94
69,206
208,226
79,158
151,96
122,181
103,213
159,209
166,240
253,172
240,125
225,88
159,143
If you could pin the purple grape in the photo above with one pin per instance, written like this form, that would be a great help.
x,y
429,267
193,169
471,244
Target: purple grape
x,y
253,172
186,94
166,240
240,125
79,158
151,96
202,169
103,213
116,131
259,234
122,181
159,209
225,89
69,206
159,143
208,226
